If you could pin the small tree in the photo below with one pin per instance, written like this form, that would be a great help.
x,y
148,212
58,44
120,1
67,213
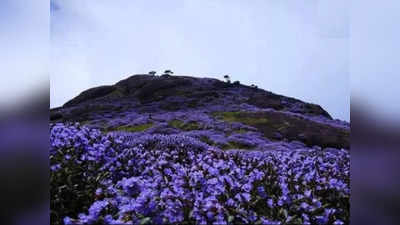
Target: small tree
x,y
168,72
236,82
254,86
153,73
227,78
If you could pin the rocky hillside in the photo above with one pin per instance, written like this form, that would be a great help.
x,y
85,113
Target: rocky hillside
x,y
227,116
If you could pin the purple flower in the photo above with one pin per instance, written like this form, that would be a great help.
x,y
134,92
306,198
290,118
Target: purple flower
x,y
97,207
306,218
270,202
161,178
168,171
338,222
220,220
99,191
230,202
269,222
212,181
252,217
261,192
210,215
304,205
322,219
213,171
247,187
329,212
317,203
68,221
246,196
108,219
55,167
132,185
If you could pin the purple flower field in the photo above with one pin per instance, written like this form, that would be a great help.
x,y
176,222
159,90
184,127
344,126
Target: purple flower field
x,y
150,178
185,150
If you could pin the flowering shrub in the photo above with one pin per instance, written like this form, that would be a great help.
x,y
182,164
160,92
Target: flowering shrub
x,y
165,179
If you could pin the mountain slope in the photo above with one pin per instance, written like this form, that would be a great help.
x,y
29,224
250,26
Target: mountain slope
x,y
228,116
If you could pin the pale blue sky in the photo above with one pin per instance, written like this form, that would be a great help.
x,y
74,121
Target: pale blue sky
x,y
24,48
375,57
295,48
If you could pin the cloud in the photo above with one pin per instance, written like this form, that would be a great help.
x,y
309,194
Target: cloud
x,y
283,46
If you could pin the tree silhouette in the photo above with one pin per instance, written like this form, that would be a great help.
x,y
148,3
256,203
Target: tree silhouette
x,y
168,72
227,78
153,73
236,82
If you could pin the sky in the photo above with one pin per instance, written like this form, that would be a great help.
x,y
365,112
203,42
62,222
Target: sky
x,y
24,45
294,48
374,56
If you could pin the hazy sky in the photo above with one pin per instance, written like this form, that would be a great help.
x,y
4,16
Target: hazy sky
x,y
24,47
295,48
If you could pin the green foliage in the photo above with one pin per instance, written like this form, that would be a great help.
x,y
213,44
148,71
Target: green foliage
x,y
176,123
179,124
207,140
116,93
290,127
235,145
138,128
146,220
240,131
240,117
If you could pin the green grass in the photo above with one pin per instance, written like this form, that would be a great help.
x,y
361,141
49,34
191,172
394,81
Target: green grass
x,y
138,128
85,122
179,124
228,145
240,131
282,127
176,123
269,123
207,140
116,93
240,117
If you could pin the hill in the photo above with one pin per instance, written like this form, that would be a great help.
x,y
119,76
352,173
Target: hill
x,y
240,116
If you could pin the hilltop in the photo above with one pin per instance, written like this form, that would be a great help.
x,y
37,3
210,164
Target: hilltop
x,y
224,115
